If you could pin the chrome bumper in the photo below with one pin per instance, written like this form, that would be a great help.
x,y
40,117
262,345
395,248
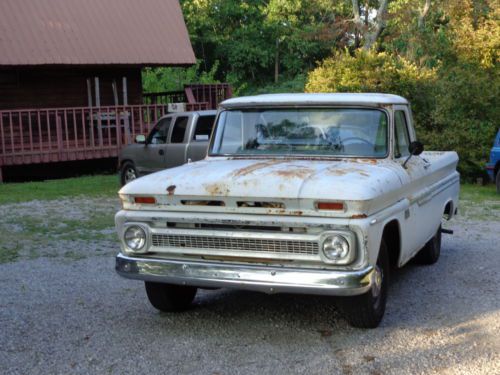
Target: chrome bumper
x,y
258,278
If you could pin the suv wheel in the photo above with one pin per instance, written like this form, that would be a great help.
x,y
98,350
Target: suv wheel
x,y
128,173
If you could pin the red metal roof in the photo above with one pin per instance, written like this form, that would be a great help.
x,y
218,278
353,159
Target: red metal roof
x,y
82,32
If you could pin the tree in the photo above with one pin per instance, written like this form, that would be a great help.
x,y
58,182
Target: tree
x,y
370,29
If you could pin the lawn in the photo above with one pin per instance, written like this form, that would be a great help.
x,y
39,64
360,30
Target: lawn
x,y
478,193
88,186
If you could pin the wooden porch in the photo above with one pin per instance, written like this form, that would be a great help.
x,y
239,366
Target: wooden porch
x,y
50,135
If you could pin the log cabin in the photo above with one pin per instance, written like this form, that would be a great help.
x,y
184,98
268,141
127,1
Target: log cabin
x,y
70,76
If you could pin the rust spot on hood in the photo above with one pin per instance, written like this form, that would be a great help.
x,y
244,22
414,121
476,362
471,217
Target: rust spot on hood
x,y
344,171
337,172
254,167
294,173
171,189
359,216
216,189
363,161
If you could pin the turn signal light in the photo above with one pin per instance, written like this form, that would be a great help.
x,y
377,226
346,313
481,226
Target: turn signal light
x,y
145,200
332,206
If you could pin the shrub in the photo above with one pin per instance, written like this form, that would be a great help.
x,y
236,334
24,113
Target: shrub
x,y
455,106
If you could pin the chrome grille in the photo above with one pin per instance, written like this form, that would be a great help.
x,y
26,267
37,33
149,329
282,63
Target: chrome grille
x,y
236,244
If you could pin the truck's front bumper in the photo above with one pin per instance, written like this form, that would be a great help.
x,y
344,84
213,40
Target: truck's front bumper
x,y
251,277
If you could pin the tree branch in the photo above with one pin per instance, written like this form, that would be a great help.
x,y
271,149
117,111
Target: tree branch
x,y
423,13
357,16
371,38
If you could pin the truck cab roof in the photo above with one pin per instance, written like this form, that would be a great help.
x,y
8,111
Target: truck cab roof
x,y
363,99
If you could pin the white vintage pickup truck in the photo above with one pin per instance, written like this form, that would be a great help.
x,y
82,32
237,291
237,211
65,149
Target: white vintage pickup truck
x,y
300,193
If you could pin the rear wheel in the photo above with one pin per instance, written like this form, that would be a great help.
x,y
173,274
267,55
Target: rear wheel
x,y
169,297
128,173
431,251
367,310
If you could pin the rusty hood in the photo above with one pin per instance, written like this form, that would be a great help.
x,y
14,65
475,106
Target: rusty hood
x,y
272,179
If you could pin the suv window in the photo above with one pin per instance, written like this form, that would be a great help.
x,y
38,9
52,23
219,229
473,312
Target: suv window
x,y
204,128
401,138
158,135
179,130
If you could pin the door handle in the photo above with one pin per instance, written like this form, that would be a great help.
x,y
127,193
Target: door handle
x,y
427,165
161,152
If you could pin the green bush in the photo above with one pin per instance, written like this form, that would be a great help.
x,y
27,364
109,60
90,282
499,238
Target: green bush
x,y
455,107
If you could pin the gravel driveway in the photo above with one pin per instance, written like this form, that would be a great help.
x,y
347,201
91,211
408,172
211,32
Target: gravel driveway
x,y
63,310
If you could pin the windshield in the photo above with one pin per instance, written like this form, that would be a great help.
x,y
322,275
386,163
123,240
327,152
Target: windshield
x,y
321,131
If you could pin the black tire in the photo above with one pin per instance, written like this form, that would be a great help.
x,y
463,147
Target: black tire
x,y
367,310
497,181
168,297
429,254
128,173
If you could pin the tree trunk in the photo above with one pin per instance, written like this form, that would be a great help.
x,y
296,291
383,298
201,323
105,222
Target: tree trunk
x,y
423,13
371,37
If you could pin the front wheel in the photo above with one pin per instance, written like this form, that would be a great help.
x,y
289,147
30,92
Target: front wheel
x,y
367,310
169,297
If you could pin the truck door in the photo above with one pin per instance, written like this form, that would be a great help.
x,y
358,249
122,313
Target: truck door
x,y
151,158
200,135
420,221
177,144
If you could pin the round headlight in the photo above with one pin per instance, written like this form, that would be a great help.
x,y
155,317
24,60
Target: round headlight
x,y
135,238
336,247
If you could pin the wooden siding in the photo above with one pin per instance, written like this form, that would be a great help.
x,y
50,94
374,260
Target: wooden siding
x,y
45,87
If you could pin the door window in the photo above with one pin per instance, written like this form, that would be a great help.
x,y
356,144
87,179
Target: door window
x,y
203,128
158,135
179,130
401,138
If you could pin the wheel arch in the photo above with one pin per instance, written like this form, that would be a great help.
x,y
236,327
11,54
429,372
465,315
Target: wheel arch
x,y
126,160
391,234
448,209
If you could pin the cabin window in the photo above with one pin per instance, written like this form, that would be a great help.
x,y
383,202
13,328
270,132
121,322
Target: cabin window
x,y
179,130
401,138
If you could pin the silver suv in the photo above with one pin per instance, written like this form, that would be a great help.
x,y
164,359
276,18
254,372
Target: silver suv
x,y
175,139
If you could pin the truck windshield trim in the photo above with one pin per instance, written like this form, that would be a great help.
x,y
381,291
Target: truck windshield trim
x,y
306,132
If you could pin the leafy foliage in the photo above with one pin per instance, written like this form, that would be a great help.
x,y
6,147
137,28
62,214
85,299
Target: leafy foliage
x,y
443,58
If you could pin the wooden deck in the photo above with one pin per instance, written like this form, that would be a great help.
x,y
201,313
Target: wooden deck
x,y
49,135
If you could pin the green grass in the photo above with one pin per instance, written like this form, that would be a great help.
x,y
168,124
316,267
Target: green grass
x,y
89,186
478,193
9,254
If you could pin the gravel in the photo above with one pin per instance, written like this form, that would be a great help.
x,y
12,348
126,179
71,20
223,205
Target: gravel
x,y
63,310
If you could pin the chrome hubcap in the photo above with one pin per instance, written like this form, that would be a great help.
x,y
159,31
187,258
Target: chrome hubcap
x,y
130,175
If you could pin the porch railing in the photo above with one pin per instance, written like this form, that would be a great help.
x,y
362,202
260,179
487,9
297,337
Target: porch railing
x,y
197,96
59,134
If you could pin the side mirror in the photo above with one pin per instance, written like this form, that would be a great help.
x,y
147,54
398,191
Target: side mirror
x,y
416,148
140,138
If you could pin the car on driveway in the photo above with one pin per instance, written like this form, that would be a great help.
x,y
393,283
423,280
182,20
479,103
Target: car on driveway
x,y
493,167
174,140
